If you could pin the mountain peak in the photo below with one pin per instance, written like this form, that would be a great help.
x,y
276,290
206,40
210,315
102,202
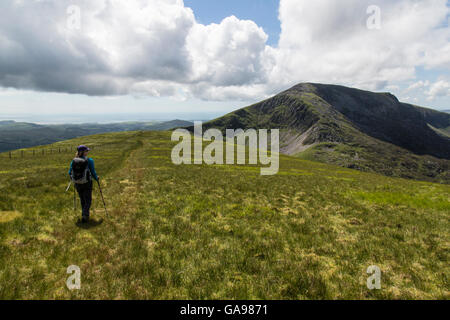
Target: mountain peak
x,y
360,129
325,89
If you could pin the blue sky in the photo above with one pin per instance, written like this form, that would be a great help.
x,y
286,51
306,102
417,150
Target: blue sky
x,y
263,12
156,57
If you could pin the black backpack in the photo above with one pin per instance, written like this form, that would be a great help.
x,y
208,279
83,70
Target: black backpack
x,y
80,171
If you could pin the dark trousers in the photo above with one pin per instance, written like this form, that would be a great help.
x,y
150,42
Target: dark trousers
x,y
85,193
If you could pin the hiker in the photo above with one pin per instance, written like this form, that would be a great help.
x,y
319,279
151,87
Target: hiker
x,y
81,171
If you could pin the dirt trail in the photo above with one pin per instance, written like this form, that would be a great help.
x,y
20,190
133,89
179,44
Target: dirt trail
x,y
122,187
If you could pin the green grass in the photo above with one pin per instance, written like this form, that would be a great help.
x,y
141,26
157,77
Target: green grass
x,y
218,232
383,158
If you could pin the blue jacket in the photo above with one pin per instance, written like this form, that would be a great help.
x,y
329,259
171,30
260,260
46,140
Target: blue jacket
x,y
91,168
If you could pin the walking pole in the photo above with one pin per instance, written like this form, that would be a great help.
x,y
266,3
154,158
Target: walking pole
x,y
74,196
103,199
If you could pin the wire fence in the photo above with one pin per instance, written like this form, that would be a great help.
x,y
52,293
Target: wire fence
x,y
43,151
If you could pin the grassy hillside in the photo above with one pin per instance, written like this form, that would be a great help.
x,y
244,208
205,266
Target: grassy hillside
x,y
16,135
352,128
210,232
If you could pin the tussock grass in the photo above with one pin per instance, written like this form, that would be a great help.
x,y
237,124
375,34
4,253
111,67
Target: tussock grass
x,y
6,216
219,232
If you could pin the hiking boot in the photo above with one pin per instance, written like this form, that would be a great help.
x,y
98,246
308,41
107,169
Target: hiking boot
x,y
85,220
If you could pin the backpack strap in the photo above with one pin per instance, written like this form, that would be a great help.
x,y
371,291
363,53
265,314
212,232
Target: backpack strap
x,y
89,173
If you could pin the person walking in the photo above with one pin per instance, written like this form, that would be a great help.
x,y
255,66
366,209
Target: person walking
x,y
82,171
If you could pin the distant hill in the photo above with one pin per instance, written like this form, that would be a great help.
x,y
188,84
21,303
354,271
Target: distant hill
x,y
16,135
353,128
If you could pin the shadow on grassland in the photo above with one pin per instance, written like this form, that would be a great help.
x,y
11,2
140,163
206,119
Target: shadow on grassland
x,y
89,225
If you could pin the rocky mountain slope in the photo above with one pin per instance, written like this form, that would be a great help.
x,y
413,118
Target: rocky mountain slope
x,y
353,128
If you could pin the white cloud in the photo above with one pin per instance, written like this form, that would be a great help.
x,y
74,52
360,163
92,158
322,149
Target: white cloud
x,y
393,87
328,41
440,88
120,44
152,47
419,84
231,53
432,90
157,48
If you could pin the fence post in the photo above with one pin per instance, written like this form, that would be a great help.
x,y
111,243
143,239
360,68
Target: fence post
x,y
10,154
21,153
33,152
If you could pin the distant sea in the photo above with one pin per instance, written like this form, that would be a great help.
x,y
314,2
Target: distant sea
x,y
108,118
